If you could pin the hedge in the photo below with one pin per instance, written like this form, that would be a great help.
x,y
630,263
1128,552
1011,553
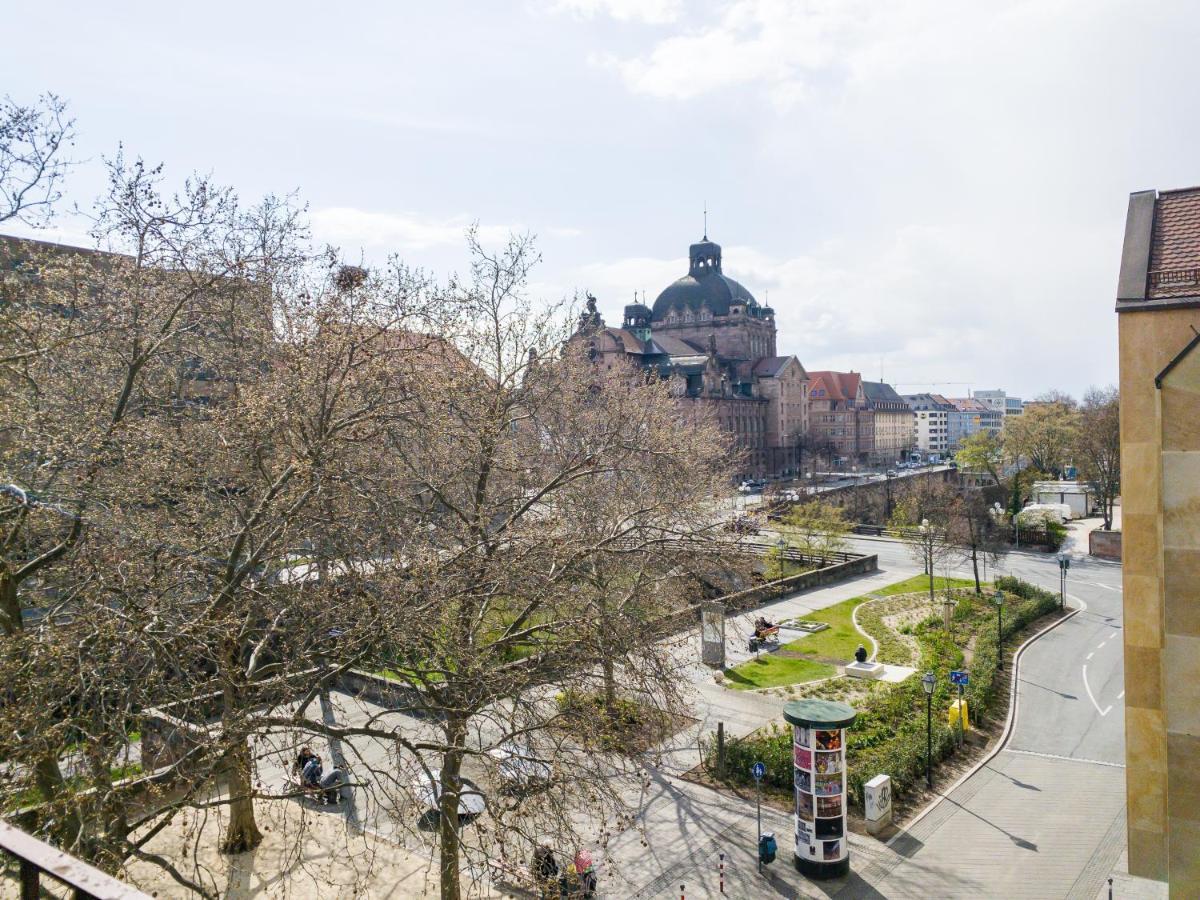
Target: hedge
x,y
889,733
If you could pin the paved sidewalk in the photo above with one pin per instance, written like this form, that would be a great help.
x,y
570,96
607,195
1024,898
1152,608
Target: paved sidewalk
x,y
1034,812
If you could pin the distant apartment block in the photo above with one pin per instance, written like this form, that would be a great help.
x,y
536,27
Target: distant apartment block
x,y
866,422
931,422
1001,402
969,417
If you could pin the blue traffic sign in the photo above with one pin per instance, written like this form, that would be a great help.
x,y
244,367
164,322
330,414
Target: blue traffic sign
x,y
758,770
959,678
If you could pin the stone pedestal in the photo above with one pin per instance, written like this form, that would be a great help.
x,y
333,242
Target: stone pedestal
x,y
865,670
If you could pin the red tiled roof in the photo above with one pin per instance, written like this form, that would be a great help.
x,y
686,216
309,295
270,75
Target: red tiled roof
x,y
835,385
1175,245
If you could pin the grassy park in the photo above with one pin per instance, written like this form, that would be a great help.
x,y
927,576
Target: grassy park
x,y
889,733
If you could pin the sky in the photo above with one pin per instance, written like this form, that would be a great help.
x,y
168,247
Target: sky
x,y
931,191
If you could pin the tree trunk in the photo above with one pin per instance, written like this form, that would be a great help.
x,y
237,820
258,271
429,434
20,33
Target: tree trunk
x,y
448,836
929,566
975,565
243,833
610,685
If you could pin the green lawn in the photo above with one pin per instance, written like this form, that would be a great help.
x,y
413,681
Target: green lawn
x,y
770,670
840,639
921,583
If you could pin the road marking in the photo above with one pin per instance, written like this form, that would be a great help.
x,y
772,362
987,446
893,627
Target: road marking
x,y
1088,688
1120,695
1090,655
1101,644
1095,762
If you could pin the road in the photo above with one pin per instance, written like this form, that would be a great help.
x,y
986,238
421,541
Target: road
x,y
1045,818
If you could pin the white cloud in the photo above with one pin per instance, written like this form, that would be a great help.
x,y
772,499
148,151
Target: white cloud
x,y
348,227
788,46
652,12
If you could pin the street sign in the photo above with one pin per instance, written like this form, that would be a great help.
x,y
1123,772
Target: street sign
x,y
758,770
959,678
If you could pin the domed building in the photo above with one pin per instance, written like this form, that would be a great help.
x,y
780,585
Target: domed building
x,y
707,301
712,340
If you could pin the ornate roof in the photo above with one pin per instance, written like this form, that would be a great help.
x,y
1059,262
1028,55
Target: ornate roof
x,y
703,285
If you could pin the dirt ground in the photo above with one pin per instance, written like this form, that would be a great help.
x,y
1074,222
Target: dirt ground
x,y
307,852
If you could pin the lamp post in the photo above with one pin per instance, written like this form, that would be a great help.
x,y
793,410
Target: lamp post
x,y
998,599
782,545
928,680
1064,563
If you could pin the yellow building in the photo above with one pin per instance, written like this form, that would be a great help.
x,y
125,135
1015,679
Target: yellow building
x,y
1158,306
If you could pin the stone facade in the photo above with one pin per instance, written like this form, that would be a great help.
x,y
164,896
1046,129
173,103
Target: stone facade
x,y
1158,306
715,345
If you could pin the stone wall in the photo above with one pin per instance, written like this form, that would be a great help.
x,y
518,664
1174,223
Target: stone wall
x,y
1105,544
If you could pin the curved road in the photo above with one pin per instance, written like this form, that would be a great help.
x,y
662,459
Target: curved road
x,y
1045,818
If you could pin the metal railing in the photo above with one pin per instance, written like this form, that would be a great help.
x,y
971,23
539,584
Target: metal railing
x,y
37,858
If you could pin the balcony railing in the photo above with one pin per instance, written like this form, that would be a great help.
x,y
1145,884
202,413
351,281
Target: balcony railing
x,y
37,858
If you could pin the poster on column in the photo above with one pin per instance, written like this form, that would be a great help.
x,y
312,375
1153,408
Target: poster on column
x,y
803,757
828,807
804,833
828,785
802,736
828,763
804,805
829,740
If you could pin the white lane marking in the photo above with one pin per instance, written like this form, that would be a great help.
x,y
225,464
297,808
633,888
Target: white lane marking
x,y
1094,762
1120,695
1101,644
1088,688
1090,655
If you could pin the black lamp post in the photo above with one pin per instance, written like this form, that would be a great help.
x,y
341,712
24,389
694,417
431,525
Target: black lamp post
x,y
998,599
1064,563
928,680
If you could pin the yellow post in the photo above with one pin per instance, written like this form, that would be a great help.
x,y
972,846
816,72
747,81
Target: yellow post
x,y
954,713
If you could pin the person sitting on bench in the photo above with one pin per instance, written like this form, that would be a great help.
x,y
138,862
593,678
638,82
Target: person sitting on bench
x,y
763,627
331,785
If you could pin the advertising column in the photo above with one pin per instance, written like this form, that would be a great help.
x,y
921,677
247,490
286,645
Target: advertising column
x,y
819,759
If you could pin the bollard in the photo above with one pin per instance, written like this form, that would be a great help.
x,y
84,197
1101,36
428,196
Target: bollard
x,y
681,897
1110,897
722,870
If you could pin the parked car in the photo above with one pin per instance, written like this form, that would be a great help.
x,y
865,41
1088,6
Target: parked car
x,y
519,767
427,788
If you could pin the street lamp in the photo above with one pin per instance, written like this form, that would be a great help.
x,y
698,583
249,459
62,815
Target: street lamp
x,y
1064,563
998,599
782,546
928,680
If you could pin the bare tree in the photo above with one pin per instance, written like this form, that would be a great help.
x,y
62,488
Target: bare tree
x,y
923,517
32,141
974,530
554,521
1098,446
817,528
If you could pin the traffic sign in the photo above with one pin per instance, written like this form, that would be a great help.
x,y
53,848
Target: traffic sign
x,y
960,678
758,770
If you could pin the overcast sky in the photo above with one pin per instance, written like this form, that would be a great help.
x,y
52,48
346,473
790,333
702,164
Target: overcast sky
x,y
934,188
